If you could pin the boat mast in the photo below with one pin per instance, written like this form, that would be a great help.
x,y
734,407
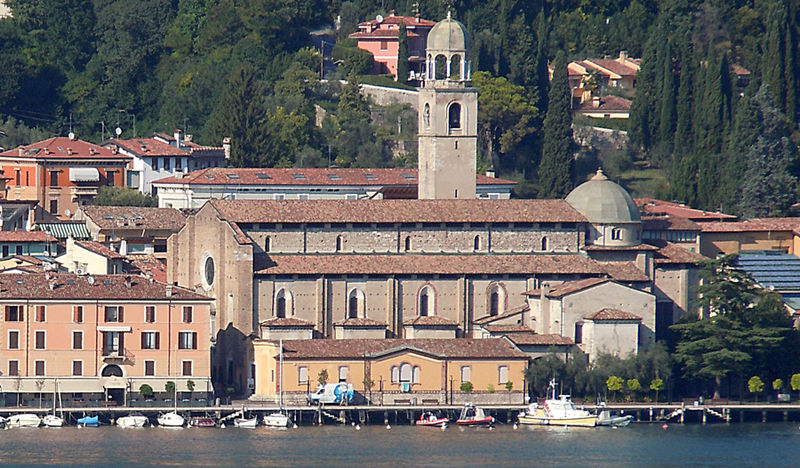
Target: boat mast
x,y
280,375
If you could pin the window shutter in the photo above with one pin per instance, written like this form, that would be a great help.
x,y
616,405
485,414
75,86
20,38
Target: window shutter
x,y
144,344
105,341
121,343
121,310
158,340
194,340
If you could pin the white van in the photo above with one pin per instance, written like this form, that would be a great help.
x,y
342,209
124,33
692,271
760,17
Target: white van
x,y
332,393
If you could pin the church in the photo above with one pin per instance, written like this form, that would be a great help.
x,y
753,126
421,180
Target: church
x,y
444,266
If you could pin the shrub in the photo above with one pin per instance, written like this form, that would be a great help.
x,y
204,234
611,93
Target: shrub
x,y
146,390
466,387
509,385
490,388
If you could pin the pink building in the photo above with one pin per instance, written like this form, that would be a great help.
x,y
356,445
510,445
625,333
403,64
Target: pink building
x,y
100,337
380,37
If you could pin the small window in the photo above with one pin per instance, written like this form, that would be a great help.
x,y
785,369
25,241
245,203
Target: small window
x,y
267,244
616,234
465,374
454,116
14,313
77,368
150,314
18,250
53,179
407,244
77,340
233,176
38,367
544,244
77,314
299,176
13,368
113,314
334,177
150,340
54,207
395,374
370,177
406,374
578,333
149,368
187,314
384,45
476,243
13,339
39,313
263,176
343,373
187,340
338,243
502,374
415,375
186,368
302,375
494,303
423,303
39,340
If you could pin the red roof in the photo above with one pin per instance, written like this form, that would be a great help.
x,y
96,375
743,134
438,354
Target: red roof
x,y
668,223
612,65
101,287
135,217
534,339
64,148
606,104
397,211
486,319
754,225
370,264
394,19
569,287
652,206
26,236
309,177
431,321
360,323
99,249
381,34
148,265
612,314
626,272
669,253
454,348
287,322
156,147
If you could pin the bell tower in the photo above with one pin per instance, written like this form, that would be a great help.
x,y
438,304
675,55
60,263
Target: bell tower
x,y
448,116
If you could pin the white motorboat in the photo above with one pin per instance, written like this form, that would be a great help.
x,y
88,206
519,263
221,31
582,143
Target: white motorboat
x,y
171,419
24,420
247,423
51,420
132,420
559,411
276,420
608,418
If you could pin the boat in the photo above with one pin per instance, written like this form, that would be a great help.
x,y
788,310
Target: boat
x,y
279,418
51,420
89,421
23,420
3,422
200,421
429,419
472,415
559,411
608,418
132,420
247,423
171,419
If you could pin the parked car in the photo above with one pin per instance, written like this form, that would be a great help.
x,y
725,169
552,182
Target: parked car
x,y
336,393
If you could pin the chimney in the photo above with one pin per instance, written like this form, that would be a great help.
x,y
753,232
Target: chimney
x,y
226,147
490,173
21,151
128,282
177,137
623,56
123,247
69,150
596,102
169,290
544,309
114,149
391,12
187,138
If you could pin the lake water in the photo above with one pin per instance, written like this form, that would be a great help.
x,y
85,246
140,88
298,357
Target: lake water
x,y
757,445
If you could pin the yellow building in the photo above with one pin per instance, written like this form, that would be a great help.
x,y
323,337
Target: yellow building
x,y
425,371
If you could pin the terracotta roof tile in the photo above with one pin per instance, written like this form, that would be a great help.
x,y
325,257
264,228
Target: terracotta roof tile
x,y
652,206
26,236
604,248
431,321
625,272
754,225
394,19
104,287
27,259
397,211
99,249
375,177
668,223
154,147
148,265
135,217
533,339
286,322
606,104
612,314
613,66
508,329
569,287
486,319
361,348
431,264
64,148
360,322
669,253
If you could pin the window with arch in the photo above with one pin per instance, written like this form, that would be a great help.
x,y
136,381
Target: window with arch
x,y
455,67
426,302
476,243
426,115
616,234
440,67
407,244
454,116
429,67
283,304
355,304
415,374
267,244
395,374
338,243
544,244
406,372
496,299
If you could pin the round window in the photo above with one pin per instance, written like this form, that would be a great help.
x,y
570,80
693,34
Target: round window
x,y
208,271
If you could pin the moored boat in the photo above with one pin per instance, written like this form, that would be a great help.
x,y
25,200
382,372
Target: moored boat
x,y
171,419
23,420
559,411
89,421
607,418
472,415
429,419
51,420
132,420
277,419
247,423
199,421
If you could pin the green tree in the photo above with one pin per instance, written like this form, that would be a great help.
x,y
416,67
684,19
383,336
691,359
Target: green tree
x,y
169,388
795,382
656,385
123,196
322,377
466,387
755,385
351,58
402,54
555,168
777,385
542,74
614,384
146,390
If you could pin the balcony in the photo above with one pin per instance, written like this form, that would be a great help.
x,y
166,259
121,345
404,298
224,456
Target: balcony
x,y
119,356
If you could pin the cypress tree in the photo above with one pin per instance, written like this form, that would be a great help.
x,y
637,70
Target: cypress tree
x,y
744,134
790,69
773,68
683,105
555,169
666,130
542,75
402,54
644,114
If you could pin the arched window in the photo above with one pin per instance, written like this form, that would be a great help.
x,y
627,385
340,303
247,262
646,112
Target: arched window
x,y
494,303
616,234
283,304
426,301
544,244
395,374
454,116
429,67
111,370
440,67
280,307
415,374
476,243
455,67
338,243
267,244
355,304
407,245
496,299
405,372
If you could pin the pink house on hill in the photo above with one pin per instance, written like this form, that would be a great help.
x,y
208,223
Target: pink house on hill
x,y
380,37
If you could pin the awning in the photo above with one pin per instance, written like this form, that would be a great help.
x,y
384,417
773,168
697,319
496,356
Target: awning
x,y
83,174
121,328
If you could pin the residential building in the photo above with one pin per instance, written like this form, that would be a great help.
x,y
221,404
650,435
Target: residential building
x,y
380,38
748,235
17,215
594,77
101,336
163,156
425,371
606,107
192,190
62,174
31,243
91,258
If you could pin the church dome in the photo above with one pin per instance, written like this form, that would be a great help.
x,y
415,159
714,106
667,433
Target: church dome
x,y
603,201
448,34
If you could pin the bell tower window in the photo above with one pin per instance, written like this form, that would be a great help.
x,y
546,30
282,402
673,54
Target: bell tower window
x,y
455,67
454,117
440,67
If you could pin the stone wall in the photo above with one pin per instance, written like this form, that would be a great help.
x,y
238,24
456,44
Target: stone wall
x,y
387,96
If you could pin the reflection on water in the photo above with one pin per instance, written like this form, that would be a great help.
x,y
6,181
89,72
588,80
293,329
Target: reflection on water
x,y
760,445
